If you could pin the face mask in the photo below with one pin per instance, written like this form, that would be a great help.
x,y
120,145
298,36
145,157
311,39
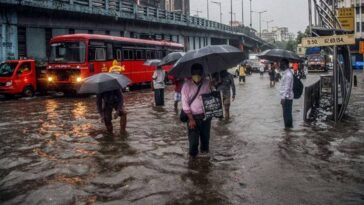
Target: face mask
x,y
196,78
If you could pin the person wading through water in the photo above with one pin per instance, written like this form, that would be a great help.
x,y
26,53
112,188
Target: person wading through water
x,y
224,82
198,127
108,101
159,76
286,93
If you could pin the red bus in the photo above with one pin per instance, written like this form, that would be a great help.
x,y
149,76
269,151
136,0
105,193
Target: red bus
x,y
76,56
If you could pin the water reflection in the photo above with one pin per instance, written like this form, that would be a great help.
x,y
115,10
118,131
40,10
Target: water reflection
x,y
58,147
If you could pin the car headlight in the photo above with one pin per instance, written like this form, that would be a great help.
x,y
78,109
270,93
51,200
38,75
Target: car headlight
x,y
50,79
9,83
78,79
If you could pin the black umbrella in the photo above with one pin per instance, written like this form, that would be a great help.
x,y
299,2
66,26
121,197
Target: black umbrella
x,y
213,58
279,54
171,58
103,82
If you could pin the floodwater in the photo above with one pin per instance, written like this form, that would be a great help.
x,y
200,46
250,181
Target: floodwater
x,y
55,151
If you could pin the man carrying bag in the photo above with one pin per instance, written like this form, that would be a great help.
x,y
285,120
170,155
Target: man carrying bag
x,y
198,127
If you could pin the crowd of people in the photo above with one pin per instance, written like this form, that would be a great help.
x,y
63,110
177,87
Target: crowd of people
x,y
189,91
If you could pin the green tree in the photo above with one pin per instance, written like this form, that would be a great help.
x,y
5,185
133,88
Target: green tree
x,y
291,45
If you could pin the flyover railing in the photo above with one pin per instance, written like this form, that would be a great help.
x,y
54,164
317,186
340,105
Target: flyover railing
x,y
128,10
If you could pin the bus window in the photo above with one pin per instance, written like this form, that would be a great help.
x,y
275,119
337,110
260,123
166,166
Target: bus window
x,y
109,52
67,52
153,54
139,55
148,54
128,55
100,54
159,55
118,55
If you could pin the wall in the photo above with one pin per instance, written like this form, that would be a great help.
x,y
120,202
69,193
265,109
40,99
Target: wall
x,y
8,35
36,43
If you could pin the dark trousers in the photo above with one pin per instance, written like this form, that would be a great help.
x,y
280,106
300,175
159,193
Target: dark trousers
x,y
108,118
241,78
200,134
287,113
159,97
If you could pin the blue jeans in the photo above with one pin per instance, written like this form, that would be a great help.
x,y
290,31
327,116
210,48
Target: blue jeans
x,y
200,134
287,113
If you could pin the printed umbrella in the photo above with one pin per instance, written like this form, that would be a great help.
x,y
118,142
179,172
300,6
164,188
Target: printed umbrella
x,y
213,58
279,54
103,82
171,58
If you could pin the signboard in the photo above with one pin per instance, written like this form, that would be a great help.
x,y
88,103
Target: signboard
x,y
335,40
346,12
346,18
212,104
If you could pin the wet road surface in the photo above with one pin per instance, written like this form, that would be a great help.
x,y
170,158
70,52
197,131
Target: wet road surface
x,y
55,151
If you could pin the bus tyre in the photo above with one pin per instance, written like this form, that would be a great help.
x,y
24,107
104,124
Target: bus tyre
x,y
28,91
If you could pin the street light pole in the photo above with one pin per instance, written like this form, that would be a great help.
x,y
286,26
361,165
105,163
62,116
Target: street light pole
x,y
231,10
218,3
242,12
251,24
208,12
268,22
197,12
260,22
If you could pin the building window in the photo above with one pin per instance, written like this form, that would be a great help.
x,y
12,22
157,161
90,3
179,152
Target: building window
x,y
357,26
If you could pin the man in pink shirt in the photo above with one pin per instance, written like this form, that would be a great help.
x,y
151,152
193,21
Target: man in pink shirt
x,y
198,126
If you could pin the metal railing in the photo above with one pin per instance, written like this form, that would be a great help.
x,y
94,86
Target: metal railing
x,y
122,9
344,71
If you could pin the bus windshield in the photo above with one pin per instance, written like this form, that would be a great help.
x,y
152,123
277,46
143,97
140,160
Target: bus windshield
x,y
68,52
7,69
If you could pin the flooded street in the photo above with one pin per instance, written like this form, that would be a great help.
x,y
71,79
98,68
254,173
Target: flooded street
x,y
56,151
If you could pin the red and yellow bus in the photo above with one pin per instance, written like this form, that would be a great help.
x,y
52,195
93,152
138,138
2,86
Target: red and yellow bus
x,y
76,56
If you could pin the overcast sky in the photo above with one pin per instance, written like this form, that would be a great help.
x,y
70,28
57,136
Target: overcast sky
x,y
289,13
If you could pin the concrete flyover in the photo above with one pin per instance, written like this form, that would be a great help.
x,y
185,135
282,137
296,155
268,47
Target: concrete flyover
x,y
27,25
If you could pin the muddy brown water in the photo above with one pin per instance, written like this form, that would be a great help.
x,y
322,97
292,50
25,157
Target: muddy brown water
x,y
55,151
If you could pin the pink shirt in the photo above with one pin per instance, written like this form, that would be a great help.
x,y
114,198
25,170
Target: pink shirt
x,y
188,91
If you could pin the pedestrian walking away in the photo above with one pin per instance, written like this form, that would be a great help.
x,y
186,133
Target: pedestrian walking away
x,y
177,92
286,93
242,72
272,75
224,82
261,69
106,103
159,85
198,127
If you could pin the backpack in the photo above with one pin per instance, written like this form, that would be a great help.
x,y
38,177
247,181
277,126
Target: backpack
x,y
297,87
